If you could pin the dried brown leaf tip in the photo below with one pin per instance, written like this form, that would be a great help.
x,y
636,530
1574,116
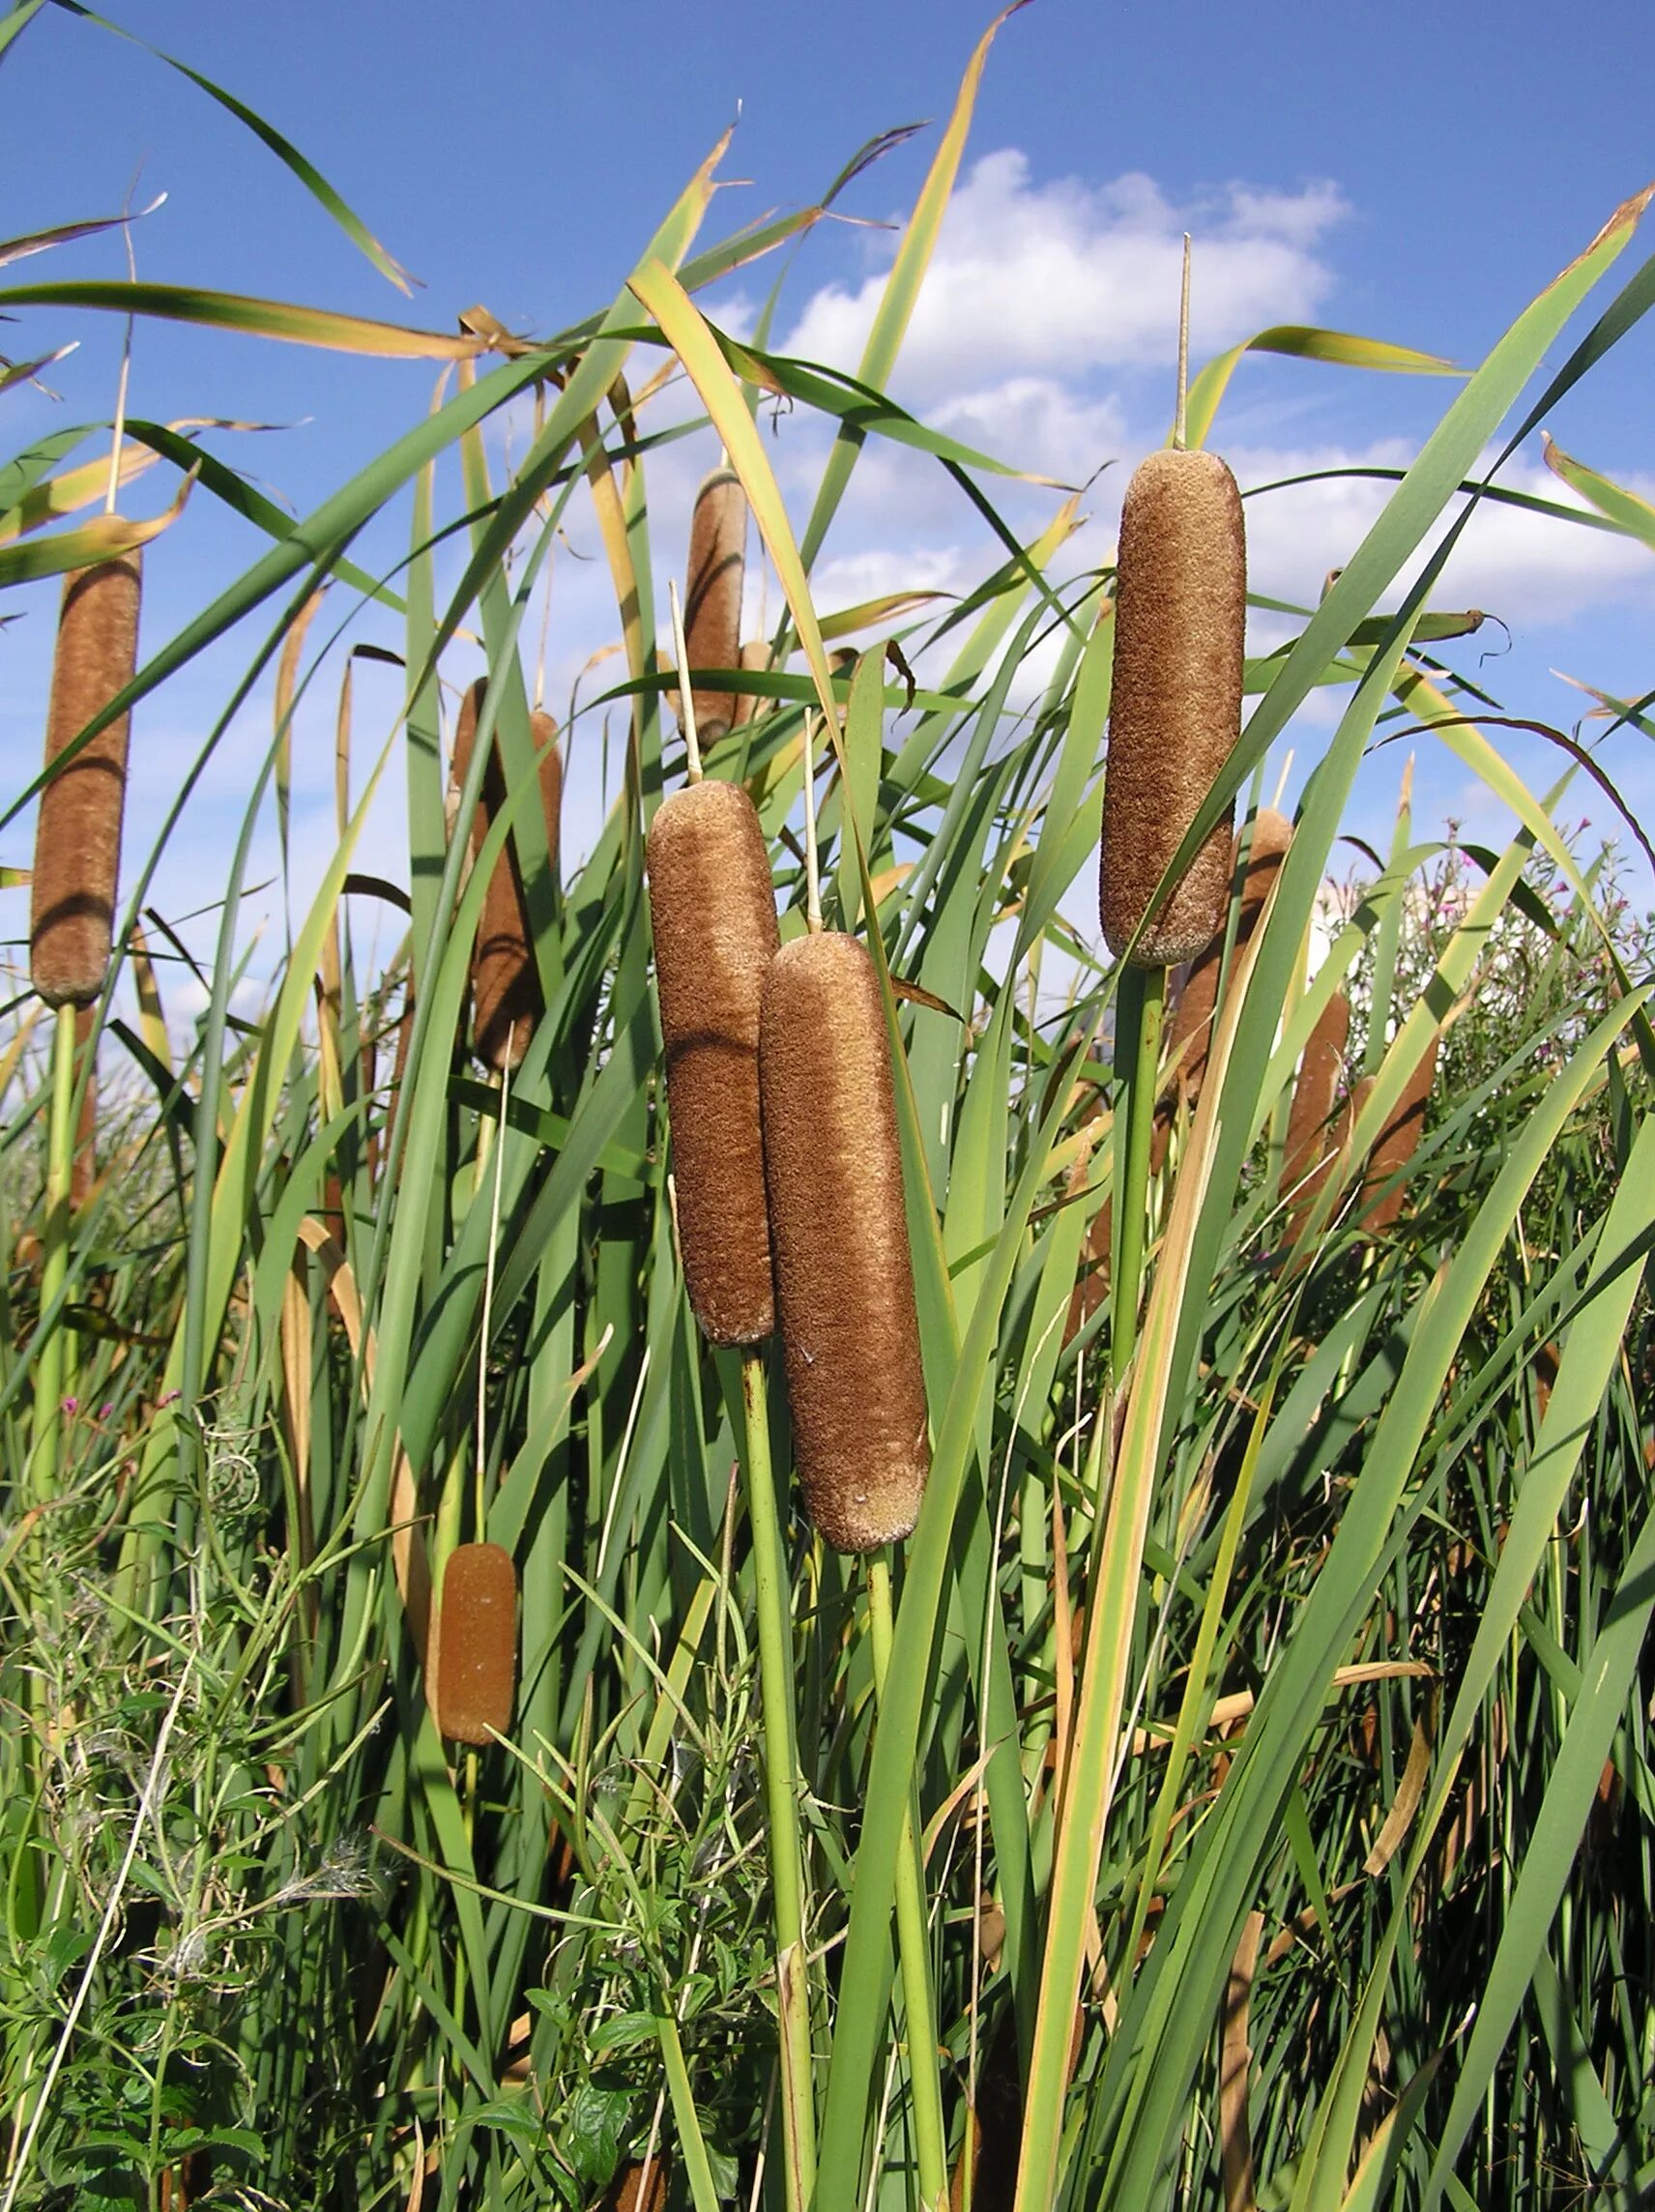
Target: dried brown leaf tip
x,y
713,593
1176,707
505,982
474,1646
844,1274
712,914
77,844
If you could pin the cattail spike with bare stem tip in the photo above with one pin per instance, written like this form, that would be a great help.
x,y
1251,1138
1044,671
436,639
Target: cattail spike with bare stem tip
x,y
77,844
1176,707
838,1224
712,914
713,593
506,983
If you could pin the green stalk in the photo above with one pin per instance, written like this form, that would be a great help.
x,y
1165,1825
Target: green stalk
x,y
912,1937
781,1791
1138,1007
55,1366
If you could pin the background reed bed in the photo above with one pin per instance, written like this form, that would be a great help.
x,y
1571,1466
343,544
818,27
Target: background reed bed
x,y
1256,1731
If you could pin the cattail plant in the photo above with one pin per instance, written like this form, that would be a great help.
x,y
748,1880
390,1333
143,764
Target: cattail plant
x,y
505,982
472,1659
1174,717
712,917
712,914
850,1334
712,595
1313,1140
1176,706
1396,1144
71,915
843,1275
77,844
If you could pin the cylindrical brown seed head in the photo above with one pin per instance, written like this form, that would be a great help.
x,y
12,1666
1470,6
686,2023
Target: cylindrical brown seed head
x,y
713,913
713,593
844,1274
1176,707
1189,1033
77,845
474,1646
1398,1141
1311,1139
505,982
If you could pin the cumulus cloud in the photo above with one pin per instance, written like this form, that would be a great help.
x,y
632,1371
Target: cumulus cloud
x,y
1527,568
1064,278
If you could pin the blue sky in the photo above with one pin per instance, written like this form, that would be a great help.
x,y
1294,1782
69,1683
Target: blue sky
x,y
1413,172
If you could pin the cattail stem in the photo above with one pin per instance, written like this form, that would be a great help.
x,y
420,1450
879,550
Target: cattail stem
x,y
783,1785
54,1368
1138,1006
913,1935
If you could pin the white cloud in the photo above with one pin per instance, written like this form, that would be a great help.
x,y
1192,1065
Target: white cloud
x,y
1064,278
1529,568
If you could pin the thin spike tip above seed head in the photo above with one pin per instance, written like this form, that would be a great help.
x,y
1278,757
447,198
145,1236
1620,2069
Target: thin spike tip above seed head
x,y
712,914
506,984
844,1273
473,1656
1175,704
715,572
77,844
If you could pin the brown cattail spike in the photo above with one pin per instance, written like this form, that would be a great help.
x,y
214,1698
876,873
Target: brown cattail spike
x,y
713,913
1189,1033
1311,1139
713,593
505,982
843,1275
1398,1141
77,845
1176,711
474,1651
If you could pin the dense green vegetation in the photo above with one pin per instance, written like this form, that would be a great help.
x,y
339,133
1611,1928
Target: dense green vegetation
x,y
1283,1698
